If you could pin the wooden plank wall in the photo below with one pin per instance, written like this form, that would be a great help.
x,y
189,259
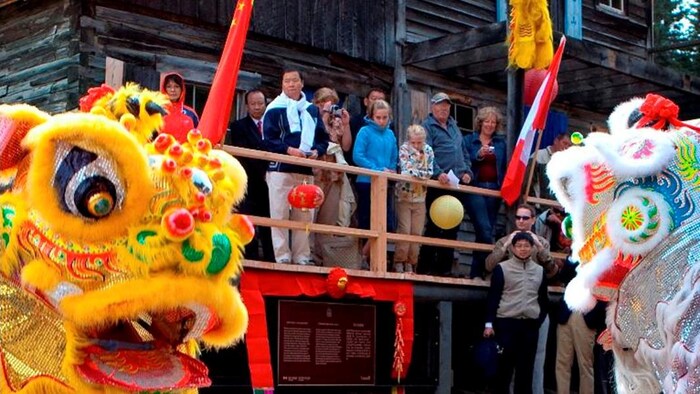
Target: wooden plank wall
x,y
426,19
624,33
39,56
357,28
138,35
361,29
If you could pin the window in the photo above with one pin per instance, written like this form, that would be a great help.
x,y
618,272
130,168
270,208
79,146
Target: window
x,y
464,115
196,96
612,6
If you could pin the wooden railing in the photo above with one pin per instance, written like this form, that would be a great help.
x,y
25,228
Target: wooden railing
x,y
377,234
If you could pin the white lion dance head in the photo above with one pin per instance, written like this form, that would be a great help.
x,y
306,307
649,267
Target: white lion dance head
x,y
632,198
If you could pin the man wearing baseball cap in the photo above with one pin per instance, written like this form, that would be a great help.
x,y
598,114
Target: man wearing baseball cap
x,y
445,138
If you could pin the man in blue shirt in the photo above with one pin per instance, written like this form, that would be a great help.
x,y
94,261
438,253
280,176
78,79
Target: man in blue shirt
x,y
445,138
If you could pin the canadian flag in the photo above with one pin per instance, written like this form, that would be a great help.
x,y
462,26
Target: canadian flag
x,y
536,120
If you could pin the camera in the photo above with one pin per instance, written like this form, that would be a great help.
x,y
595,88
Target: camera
x,y
336,111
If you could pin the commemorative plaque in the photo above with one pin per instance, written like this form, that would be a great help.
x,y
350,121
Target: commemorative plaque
x,y
326,344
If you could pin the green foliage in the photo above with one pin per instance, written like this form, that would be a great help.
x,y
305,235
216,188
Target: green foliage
x,y
676,24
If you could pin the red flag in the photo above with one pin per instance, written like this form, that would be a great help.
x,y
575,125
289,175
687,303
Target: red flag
x,y
536,120
218,107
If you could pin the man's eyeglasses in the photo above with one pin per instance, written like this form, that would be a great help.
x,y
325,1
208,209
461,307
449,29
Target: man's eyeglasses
x,y
517,217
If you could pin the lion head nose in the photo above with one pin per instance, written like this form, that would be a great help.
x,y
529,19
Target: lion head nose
x,y
178,224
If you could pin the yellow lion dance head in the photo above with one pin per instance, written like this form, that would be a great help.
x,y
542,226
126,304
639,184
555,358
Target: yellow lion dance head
x,y
117,255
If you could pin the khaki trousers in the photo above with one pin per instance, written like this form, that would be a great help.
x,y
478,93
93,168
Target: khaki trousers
x,y
411,218
575,337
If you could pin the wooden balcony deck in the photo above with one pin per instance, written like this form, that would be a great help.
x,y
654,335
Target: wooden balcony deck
x,y
377,234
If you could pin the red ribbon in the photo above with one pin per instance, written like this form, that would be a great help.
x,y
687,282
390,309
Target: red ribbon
x,y
661,111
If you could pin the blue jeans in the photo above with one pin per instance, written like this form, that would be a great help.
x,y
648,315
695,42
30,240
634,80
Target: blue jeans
x,y
483,213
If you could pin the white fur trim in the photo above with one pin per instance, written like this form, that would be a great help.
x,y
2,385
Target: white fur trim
x,y
579,297
617,155
578,292
619,118
569,165
565,172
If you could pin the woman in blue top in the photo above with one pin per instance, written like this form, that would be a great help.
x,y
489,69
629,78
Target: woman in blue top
x,y
375,149
488,155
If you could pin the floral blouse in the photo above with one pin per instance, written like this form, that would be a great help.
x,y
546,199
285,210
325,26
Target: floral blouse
x,y
418,164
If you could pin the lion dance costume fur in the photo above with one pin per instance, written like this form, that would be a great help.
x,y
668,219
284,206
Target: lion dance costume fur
x,y
118,249
633,199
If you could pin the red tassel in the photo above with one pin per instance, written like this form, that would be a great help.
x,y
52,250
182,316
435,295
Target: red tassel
x,y
399,311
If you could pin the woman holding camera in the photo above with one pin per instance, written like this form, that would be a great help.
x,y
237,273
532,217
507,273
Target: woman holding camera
x,y
339,204
335,119
488,155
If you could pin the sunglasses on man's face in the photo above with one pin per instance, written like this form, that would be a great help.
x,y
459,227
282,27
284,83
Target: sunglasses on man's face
x,y
517,217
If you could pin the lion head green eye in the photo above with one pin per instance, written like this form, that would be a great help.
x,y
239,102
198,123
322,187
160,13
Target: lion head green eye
x,y
100,204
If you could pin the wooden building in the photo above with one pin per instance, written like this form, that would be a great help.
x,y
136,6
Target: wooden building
x,y
52,51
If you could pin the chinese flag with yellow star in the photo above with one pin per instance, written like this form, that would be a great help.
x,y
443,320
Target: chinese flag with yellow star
x,y
218,107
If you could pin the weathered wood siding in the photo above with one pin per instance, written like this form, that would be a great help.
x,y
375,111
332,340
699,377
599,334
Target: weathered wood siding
x,y
624,33
138,38
148,38
39,56
426,19
362,29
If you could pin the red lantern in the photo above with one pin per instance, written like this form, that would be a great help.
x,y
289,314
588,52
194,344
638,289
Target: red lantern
x,y
305,196
533,81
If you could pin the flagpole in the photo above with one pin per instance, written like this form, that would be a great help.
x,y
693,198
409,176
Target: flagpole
x,y
533,166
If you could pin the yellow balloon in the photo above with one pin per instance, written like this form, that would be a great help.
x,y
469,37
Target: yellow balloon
x,y
446,212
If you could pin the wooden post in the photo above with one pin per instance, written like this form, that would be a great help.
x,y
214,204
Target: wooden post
x,y
401,97
515,107
446,374
533,166
377,251
114,72
514,122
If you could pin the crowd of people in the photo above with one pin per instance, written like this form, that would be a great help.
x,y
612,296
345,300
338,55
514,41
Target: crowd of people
x,y
435,149
520,266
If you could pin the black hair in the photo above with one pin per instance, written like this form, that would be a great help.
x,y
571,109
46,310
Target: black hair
x,y
519,236
375,89
293,70
175,78
248,93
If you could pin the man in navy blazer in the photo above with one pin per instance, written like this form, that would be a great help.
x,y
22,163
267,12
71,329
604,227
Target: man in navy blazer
x,y
247,133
